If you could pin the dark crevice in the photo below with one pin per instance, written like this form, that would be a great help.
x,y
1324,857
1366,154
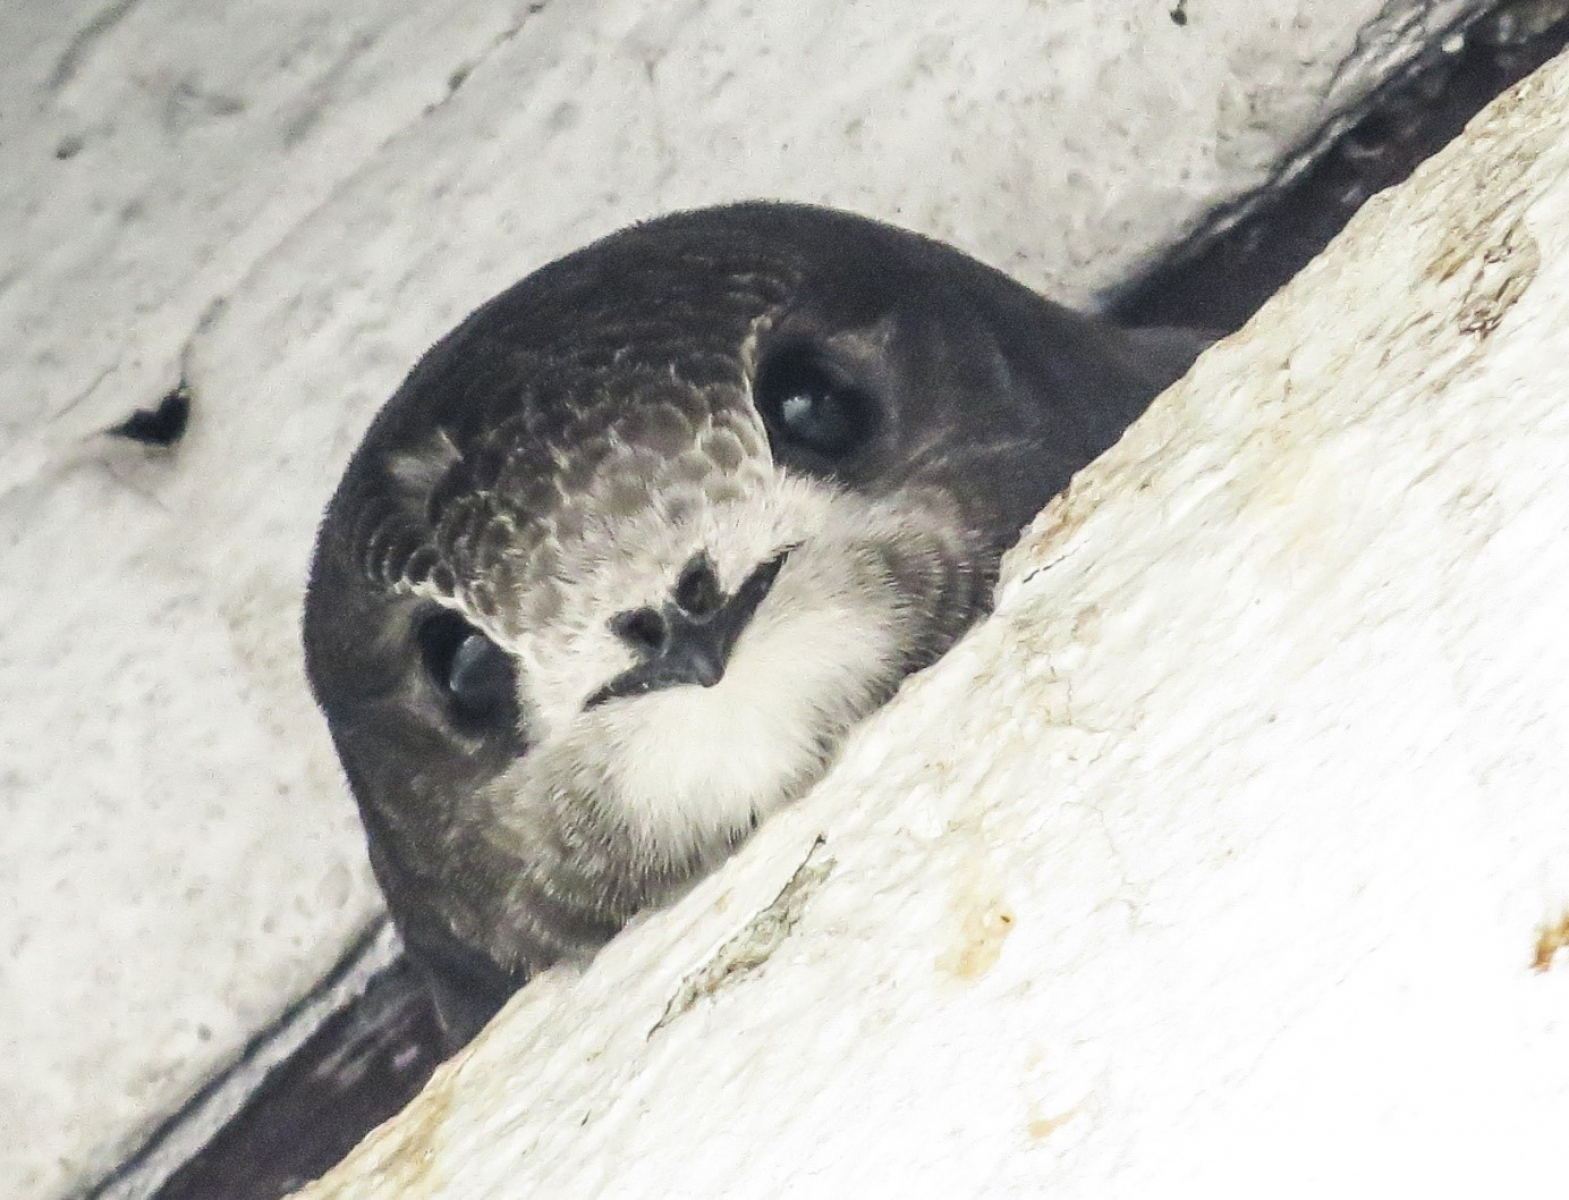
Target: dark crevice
x,y
1223,275
362,1066
348,1054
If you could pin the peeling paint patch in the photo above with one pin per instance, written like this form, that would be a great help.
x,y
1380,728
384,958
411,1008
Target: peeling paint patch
x,y
750,949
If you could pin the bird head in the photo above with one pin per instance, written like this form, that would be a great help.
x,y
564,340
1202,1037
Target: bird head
x,y
633,548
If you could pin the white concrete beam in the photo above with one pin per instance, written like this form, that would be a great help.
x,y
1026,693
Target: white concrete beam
x,y
1229,858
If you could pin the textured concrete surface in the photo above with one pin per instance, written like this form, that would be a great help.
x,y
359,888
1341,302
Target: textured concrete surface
x,y
1228,859
281,207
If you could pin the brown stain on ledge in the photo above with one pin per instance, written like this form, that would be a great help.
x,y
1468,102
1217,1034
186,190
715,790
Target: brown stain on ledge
x,y
1042,1127
1550,940
1503,274
984,925
1492,259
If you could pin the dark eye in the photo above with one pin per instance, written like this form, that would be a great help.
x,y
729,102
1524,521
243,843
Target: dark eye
x,y
474,675
805,405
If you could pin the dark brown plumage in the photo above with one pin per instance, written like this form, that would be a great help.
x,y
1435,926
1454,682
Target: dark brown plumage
x,y
635,545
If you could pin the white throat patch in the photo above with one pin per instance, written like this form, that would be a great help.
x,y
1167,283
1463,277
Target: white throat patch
x,y
689,769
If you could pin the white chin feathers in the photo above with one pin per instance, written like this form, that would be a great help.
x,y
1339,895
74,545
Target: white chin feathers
x,y
691,768
686,771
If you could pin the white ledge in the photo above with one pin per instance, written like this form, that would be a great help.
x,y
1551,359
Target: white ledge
x,y
1227,859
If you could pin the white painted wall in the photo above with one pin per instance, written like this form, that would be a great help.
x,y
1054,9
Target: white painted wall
x,y
287,203
1223,861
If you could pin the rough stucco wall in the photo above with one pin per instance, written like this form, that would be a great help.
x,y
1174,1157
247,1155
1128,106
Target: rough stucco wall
x,y
284,205
1229,858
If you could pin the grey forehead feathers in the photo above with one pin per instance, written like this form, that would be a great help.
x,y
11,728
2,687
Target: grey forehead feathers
x,y
508,520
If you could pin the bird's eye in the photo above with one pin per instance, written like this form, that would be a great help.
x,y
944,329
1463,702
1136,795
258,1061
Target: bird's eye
x,y
805,405
475,676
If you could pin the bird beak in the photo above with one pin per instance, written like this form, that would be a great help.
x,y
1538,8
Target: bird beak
x,y
696,650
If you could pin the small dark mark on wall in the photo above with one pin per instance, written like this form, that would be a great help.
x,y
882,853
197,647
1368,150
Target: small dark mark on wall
x,y
163,426
1179,14
86,40
190,103
69,146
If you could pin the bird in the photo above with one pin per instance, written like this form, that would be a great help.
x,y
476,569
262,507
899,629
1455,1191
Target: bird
x,y
631,550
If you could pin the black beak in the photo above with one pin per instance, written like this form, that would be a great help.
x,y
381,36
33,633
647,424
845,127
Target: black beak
x,y
686,644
